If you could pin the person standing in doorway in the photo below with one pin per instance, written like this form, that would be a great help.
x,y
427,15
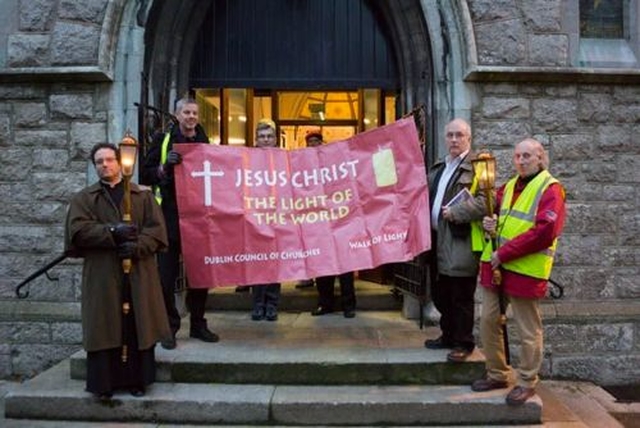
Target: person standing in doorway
x,y
120,349
158,172
265,296
313,138
325,284
457,239
531,213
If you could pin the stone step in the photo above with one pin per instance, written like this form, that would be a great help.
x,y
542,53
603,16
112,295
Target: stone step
x,y
369,296
308,366
54,396
375,348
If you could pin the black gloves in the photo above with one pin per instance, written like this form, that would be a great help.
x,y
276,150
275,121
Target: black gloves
x,y
173,158
123,232
128,250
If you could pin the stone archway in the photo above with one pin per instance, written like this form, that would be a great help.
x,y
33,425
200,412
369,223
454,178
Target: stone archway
x,y
172,26
433,45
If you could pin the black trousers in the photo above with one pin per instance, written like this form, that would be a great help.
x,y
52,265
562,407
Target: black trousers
x,y
453,297
266,296
169,265
325,285
106,372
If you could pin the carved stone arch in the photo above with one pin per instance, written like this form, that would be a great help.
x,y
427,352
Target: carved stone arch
x,y
433,44
113,17
410,37
171,28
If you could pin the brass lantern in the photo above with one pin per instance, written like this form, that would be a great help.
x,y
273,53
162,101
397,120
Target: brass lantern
x,y
484,168
128,154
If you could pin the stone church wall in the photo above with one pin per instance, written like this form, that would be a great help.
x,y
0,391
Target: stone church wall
x,y
526,85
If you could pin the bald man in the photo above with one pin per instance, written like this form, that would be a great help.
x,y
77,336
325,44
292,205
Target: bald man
x,y
530,212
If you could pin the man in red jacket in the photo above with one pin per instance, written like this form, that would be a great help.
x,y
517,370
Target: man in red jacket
x,y
531,214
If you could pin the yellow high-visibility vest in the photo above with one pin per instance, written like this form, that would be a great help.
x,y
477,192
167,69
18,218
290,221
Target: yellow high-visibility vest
x,y
477,233
163,159
164,150
516,220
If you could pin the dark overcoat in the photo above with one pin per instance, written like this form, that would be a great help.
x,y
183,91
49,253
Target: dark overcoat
x,y
87,235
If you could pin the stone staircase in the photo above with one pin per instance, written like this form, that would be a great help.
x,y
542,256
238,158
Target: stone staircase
x,y
299,371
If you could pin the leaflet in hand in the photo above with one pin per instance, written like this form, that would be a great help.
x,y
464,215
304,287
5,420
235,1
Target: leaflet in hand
x,y
463,196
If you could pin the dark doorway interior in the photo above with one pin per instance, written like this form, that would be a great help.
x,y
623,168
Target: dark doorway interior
x,y
302,44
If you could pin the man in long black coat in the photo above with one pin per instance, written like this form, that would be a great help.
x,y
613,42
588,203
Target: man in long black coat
x,y
95,232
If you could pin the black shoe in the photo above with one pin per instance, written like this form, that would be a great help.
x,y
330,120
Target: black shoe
x,y
438,343
204,334
350,313
242,289
271,314
169,343
321,310
137,391
257,314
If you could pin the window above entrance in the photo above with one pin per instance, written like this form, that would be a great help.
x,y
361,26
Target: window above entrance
x,y
318,106
229,115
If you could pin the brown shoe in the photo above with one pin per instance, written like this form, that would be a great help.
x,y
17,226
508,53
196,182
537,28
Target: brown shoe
x,y
488,384
458,355
519,395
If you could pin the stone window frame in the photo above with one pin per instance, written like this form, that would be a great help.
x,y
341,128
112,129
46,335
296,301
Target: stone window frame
x,y
604,53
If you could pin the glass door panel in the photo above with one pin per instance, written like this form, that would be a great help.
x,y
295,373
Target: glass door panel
x,y
390,114
236,101
371,108
209,112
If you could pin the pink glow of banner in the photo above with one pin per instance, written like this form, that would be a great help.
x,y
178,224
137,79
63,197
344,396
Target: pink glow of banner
x,y
264,215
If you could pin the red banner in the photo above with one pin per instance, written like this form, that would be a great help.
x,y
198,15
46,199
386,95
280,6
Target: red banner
x,y
262,215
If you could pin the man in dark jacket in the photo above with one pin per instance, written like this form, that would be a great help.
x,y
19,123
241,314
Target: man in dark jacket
x,y
455,261
120,348
158,171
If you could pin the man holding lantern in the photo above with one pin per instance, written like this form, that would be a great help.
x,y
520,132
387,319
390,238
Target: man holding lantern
x,y
530,210
120,344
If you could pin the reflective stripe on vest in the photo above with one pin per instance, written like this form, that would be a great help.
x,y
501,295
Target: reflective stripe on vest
x,y
163,159
516,220
477,233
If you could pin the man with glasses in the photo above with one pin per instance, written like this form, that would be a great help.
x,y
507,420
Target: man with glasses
x,y
265,296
